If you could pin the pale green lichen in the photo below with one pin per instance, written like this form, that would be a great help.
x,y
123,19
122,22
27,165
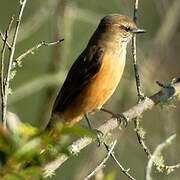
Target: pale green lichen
x,y
48,173
13,74
74,149
159,163
19,63
169,170
141,132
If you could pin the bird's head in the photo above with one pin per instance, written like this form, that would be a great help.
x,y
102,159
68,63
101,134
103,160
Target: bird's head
x,y
118,27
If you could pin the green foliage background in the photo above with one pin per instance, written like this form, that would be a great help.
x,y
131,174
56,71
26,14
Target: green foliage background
x,y
158,58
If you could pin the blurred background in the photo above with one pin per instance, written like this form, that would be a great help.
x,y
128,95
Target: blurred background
x,y
43,73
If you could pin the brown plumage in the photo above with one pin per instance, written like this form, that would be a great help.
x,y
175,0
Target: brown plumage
x,y
96,73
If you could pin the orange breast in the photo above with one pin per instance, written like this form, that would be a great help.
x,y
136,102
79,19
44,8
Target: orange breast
x,y
100,87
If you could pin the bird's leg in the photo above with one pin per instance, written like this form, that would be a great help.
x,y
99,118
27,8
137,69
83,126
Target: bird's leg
x,y
98,133
119,116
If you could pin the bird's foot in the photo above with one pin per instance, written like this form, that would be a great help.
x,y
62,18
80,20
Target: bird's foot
x,y
119,116
121,119
99,134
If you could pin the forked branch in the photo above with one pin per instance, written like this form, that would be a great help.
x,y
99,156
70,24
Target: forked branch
x,y
148,103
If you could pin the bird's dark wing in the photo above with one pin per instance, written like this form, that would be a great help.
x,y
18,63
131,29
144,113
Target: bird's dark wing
x,y
83,69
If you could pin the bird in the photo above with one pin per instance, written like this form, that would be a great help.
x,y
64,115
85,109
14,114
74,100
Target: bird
x,y
96,73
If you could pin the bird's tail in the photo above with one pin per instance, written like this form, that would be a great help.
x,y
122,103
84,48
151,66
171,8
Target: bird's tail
x,y
52,122
55,118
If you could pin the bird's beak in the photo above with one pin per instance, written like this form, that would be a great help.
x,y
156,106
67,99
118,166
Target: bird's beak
x,y
137,31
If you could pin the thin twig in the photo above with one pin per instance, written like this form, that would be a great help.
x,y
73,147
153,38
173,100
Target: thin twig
x,y
155,154
3,104
134,50
111,124
36,47
138,85
125,171
102,164
4,38
140,137
111,154
11,57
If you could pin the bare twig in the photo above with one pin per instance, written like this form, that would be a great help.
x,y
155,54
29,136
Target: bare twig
x,y
36,47
154,156
102,164
140,135
125,171
138,85
4,38
146,104
2,68
11,56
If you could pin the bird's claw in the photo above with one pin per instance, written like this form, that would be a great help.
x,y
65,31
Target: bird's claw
x,y
121,118
99,134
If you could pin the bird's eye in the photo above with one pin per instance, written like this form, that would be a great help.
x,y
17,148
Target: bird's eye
x,y
126,28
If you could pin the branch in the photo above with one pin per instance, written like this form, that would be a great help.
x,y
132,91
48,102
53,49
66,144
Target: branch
x,y
134,51
5,38
138,129
125,171
155,155
11,56
137,110
34,48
